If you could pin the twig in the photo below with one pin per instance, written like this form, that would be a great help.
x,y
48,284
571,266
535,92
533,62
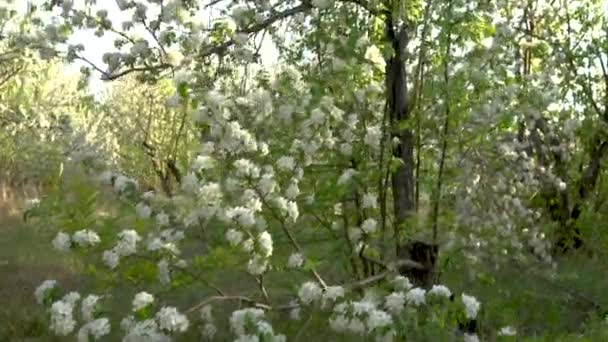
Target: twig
x,y
444,133
290,236
224,298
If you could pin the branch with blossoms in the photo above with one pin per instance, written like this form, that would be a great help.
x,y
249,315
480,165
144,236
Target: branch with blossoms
x,y
117,60
252,179
239,204
273,17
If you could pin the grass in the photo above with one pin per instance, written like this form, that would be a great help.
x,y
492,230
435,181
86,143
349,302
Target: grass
x,y
561,307
27,259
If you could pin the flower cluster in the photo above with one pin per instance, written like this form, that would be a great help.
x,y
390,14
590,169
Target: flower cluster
x,y
62,320
126,245
141,300
248,325
208,329
361,318
83,238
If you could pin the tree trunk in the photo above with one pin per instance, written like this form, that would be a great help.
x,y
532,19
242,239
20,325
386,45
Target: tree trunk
x,y
422,253
402,178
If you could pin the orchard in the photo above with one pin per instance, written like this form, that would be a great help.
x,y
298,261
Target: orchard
x,y
283,170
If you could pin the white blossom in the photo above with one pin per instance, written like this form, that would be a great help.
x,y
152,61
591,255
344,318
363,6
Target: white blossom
x,y
369,226
296,260
354,234
294,314
356,326
416,296
163,272
160,243
257,265
471,306
141,300
209,331
246,168
470,338
111,258
206,313
127,245
239,318
31,203
89,304
364,306
97,328
346,149
210,193
440,290
395,302
507,331
203,163
292,191
190,183
42,290
234,236
244,216
265,242
121,182
309,292
247,245
143,211
267,184
62,242
86,238
292,211
247,338
370,201
170,319
62,321
127,323
373,135
162,219
374,56
286,163
332,293
402,283
339,323
378,319
346,176
71,298
146,330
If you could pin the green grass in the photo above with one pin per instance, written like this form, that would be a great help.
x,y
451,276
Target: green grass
x,y
27,259
561,307
544,305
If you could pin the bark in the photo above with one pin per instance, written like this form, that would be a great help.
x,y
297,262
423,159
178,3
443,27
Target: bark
x,y
402,178
397,105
